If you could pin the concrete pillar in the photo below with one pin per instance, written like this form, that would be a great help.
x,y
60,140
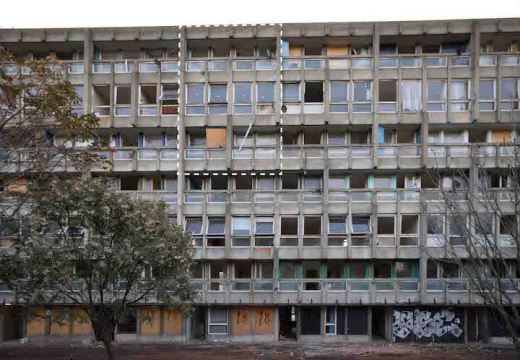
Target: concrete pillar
x,y
375,94
369,325
88,52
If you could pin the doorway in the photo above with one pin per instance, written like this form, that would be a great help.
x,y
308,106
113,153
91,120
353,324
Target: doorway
x,y
287,321
378,323
198,323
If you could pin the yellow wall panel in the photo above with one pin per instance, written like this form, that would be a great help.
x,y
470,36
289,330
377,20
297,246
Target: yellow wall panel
x,y
241,318
36,324
80,322
59,322
264,321
336,50
150,320
172,322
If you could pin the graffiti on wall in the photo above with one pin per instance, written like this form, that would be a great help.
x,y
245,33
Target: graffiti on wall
x,y
426,324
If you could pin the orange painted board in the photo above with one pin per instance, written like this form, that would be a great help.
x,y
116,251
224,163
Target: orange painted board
x,y
172,322
36,324
241,318
150,320
216,137
264,321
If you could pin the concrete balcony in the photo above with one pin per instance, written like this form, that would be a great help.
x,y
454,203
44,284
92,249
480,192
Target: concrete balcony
x,y
141,159
400,156
200,159
168,197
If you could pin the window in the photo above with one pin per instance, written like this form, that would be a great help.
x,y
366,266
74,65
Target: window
x,y
450,270
263,270
242,98
432,269
77,104
386,230
357,270
291,92
264,226
289,231
217,99
509,94
265,92
436,95
218,321
362,96
405,269
195,99
314,92
337,225
170,99
484,224
409,230
101,100
411,95
312,225
312,183
387,95
265,183
148,100
338,97
337,182
241,226
384,182
508,225
486,95
330,321
216,226
459,95
194,226
361,224
458,229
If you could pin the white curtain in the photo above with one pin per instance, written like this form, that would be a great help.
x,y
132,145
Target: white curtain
x,y
459,90
411,95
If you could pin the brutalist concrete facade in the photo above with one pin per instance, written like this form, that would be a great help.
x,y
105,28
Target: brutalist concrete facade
x,y
297,155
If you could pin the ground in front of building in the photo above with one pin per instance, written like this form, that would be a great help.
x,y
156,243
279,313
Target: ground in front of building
x,y
380,351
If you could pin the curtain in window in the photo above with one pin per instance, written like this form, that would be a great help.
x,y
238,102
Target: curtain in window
x,y
459,90
411,95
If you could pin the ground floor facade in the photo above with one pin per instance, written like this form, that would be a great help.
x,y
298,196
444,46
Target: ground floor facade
x,y
242,323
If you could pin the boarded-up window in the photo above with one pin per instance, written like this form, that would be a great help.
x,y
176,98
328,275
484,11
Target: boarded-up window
x,y
17,186
215,137
295,50
500,136
336,50
150,321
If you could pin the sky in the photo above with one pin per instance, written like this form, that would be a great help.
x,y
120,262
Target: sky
x,y
111,13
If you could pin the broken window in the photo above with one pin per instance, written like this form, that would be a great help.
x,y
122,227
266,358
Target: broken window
x,y
289,231
264,270
411,95
362,101
484,224
101,100
243,98
432,269
436,95
406,269
288,270
508,225
148,100
358,270
219,182
359,137
509,94
458,229
311,137
194,182
216,137
358,182
387,95
265,92
313,92
243,182
218,321
386,230
459,95
289,181
128,183
312,226
338,97
383,270
409,230
195,98
170,99
450,270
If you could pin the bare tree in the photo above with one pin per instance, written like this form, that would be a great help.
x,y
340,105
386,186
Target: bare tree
x,y
481,206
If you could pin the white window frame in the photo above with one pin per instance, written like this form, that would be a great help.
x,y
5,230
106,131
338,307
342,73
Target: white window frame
x,y
233,226
264,219
516,100
459,101
197,104
243,104
209,218
346,102
493,101
210,323
353,102
344,218
145,106
433,102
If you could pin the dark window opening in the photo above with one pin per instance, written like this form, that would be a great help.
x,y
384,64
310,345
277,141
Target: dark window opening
x,y
314,92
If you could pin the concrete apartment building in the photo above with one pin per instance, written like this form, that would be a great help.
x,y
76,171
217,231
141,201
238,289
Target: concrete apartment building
x,y
297,156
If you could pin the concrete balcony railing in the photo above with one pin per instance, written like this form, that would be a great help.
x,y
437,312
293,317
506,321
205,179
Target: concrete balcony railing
x,y
141,159
224,65
131,66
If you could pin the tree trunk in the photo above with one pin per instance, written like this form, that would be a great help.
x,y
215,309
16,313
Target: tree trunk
x,y
103,324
